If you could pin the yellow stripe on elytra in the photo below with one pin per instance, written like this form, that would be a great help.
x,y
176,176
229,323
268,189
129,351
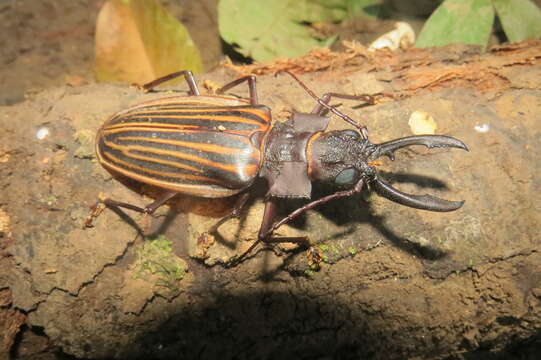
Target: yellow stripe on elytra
x,y
218,149
217,118
126,149
262,114
173,175
146,126
208,191
175,164
170,128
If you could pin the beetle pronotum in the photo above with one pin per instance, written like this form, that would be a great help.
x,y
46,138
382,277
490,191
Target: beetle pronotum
x,y
216,146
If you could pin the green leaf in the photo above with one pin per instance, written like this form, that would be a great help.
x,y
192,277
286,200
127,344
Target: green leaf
x,y
352,8
314,10
265,30
521,19
458,21
370,8
138,41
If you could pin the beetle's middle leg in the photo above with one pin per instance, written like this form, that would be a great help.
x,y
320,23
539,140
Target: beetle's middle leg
x,y
235,213
98,208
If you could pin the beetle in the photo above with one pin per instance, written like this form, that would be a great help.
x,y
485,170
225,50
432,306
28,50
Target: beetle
x,y
215,146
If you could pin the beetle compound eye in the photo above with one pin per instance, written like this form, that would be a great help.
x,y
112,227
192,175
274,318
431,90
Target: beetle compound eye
x,y
347,177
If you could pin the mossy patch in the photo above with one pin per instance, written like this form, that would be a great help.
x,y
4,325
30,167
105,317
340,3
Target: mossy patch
x,y
86,139
156,262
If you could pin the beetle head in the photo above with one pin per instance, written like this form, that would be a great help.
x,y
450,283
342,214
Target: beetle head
x,y
344,159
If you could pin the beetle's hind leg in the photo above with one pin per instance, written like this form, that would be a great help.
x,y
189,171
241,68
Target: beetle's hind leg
x,y
97,208
250,79
194,90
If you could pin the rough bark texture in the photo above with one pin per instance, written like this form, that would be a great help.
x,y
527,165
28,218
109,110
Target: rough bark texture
x,y
394,282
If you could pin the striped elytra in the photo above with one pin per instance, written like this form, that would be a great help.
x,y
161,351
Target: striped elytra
x,y
207,146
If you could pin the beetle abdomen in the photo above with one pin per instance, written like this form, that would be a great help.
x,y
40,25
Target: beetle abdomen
x,y
192,148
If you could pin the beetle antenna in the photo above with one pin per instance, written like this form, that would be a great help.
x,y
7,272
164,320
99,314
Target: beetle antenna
x,y
332,109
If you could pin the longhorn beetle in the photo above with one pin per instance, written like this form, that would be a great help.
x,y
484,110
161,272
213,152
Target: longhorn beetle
x,y
215,146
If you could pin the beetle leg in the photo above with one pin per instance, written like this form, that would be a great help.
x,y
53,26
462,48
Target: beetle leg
x,y
268,227
203,242
250,79
268,215
323,103
194,90
165,197
97,208
235,213
326,98
337,195
265,233
266,223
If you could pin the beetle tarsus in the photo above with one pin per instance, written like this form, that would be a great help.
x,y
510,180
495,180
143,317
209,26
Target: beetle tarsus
x,y
95,211
314,258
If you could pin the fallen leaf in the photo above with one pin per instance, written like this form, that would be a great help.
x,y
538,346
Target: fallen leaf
x,y
138,41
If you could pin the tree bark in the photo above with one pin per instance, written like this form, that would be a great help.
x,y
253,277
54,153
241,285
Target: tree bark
x,y
393,282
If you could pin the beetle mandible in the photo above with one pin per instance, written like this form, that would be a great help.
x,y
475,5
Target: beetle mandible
x,y
215,146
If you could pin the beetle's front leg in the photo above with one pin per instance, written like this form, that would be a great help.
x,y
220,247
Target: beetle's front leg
x,y
268,227
311,205
326,99
323,103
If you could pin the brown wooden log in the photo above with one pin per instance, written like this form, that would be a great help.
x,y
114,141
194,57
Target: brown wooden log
x,y
393,282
